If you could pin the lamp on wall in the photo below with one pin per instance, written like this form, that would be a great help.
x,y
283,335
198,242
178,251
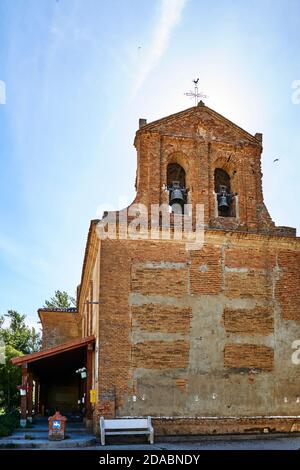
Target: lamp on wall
x,y
22,390
82,372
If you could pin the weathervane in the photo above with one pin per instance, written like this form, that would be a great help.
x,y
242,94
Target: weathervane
x,y
195,94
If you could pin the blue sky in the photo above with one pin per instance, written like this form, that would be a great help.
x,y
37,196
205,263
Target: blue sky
x,y
78,76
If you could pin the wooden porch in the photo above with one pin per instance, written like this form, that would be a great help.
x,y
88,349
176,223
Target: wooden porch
x,y
51,381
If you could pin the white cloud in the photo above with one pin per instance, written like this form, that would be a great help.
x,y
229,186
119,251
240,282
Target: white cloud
x,y
170,13
2,92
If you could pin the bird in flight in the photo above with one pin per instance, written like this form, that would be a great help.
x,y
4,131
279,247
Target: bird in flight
x,y
276,160
196,81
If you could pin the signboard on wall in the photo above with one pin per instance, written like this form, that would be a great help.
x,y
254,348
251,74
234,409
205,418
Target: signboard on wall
x,y
93,398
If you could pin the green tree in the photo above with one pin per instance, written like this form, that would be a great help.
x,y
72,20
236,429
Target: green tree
x,y
18,335
18,339
10,377
61,299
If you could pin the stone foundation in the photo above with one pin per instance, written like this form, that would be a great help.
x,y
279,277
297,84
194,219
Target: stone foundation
x,y
226,425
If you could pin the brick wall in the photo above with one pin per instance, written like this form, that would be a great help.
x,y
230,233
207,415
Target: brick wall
x,y
250,258
58,327
288,285
161,318
159,281
257,320
248,356
205,272
253,284
160,355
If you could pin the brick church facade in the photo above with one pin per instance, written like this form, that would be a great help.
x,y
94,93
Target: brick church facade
x,y
202,339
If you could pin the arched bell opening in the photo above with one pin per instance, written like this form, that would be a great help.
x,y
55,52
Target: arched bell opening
x,y
225,199
176,185
222,178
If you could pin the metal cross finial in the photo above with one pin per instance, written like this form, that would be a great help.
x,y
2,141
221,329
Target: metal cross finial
x,y
195,94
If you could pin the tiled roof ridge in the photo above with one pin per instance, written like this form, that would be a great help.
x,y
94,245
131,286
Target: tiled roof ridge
x,y
48,309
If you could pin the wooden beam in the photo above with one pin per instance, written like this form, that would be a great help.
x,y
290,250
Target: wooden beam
x,y
18,361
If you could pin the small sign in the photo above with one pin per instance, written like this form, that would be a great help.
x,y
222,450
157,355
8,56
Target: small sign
x,y
93,397
57,427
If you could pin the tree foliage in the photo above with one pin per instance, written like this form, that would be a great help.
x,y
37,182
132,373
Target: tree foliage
x,y
61,299
17,339
18,335
10,377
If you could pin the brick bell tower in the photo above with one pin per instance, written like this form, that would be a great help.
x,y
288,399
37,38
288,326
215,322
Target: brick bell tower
x,y
204,152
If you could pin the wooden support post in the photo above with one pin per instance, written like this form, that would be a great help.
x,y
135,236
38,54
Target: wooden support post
x,y
36,396
89,381
23,419
29,397
42,397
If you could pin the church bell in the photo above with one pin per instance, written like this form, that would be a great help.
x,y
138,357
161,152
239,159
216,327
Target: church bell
x,y
224,197
176,194
222,203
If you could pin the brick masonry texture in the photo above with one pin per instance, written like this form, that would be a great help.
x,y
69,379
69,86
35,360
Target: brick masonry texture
x,y
161,318
159,281
288,285
254,284
249,356
205,272
161,354
58,328
258,320
250,258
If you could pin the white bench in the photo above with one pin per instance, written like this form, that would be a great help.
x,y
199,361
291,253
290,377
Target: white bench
x,y
126,426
